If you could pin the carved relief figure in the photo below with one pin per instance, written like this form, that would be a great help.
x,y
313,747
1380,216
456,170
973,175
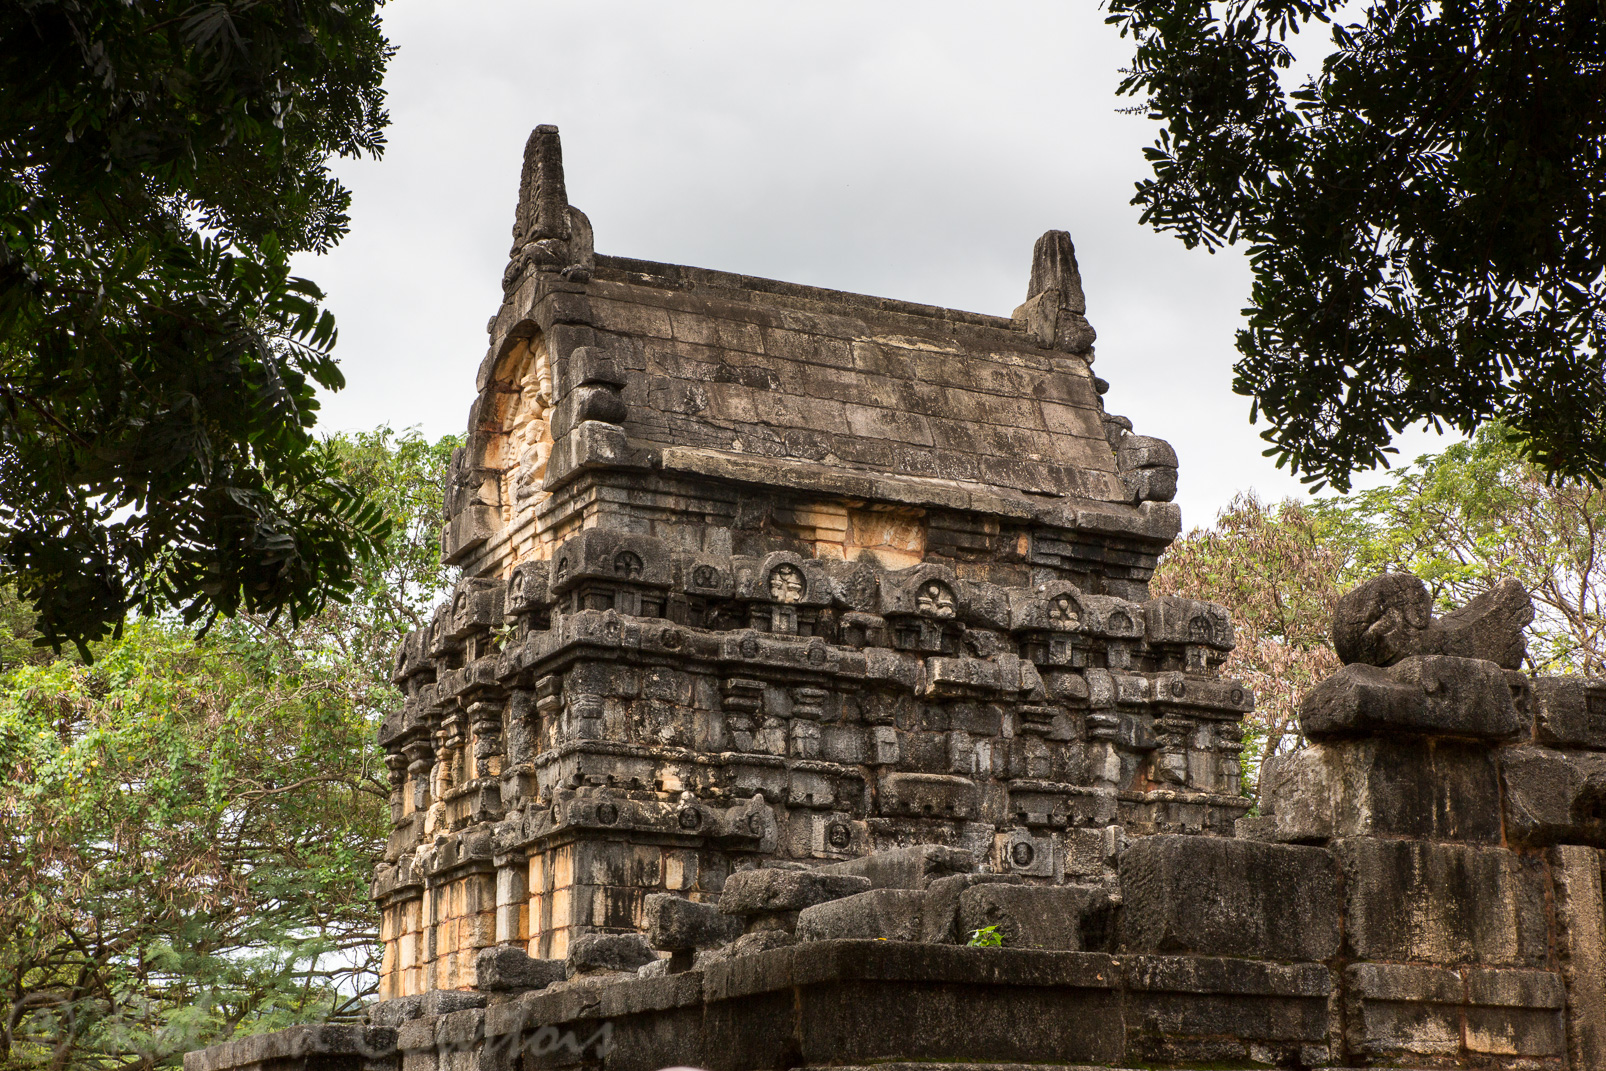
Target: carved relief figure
x,y
529,430
787,583
1062,611
935,599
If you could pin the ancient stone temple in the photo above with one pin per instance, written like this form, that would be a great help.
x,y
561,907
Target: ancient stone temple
x,y
803,704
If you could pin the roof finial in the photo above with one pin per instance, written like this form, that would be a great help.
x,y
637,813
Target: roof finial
x,y
548,232
1055,305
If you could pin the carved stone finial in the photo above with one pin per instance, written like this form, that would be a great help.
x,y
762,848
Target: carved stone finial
x,y
549,234
543,198
1054,268
1390,618
1055,305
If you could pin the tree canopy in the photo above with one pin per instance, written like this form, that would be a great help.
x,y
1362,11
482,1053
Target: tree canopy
x,y
1425,216
188,826
159,162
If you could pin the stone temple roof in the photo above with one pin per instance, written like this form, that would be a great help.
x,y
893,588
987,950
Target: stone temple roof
x,y
630,365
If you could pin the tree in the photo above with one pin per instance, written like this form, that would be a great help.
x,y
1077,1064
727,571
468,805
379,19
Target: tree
x,y
1278,569
188,826
159,161
1476,513
1425,217
1462,520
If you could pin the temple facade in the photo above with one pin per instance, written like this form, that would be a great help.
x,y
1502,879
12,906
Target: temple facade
x,y
755,572
803,703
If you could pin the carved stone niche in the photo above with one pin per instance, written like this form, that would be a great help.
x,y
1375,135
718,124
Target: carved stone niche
x,y
1047,623
707,583
1118,623
476,612
526,606
924,608
785,594
443,648
1186,634
518,442
413,666
600,569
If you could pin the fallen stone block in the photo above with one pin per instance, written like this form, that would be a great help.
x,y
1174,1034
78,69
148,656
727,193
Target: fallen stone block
x,y
906,868
1426,694
1213,896
506,968
676,924
1384,620
941,918
1390,618
1273,772
595,953
759,892
1261,827
749,943
1554,797
1031,916
880,914
1387,786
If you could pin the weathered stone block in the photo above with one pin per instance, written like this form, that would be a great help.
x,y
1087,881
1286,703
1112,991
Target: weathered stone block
x,y
941,922
1401,1010
1581,948
880,914
1192,1011
757,892
599,952
1397,1009
1211,896
914,867
1431,694
1554,797
1030,916
1382,786
1411,901
1570,712
675,924
326,1047
505,968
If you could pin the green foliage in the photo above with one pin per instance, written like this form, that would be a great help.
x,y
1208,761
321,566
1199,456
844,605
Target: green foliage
x,y
1278,568
188,826
986,937
1424,217
1462,520
159,161
1479,512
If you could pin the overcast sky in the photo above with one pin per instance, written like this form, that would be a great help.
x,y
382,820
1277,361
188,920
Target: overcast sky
x,y
911,150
